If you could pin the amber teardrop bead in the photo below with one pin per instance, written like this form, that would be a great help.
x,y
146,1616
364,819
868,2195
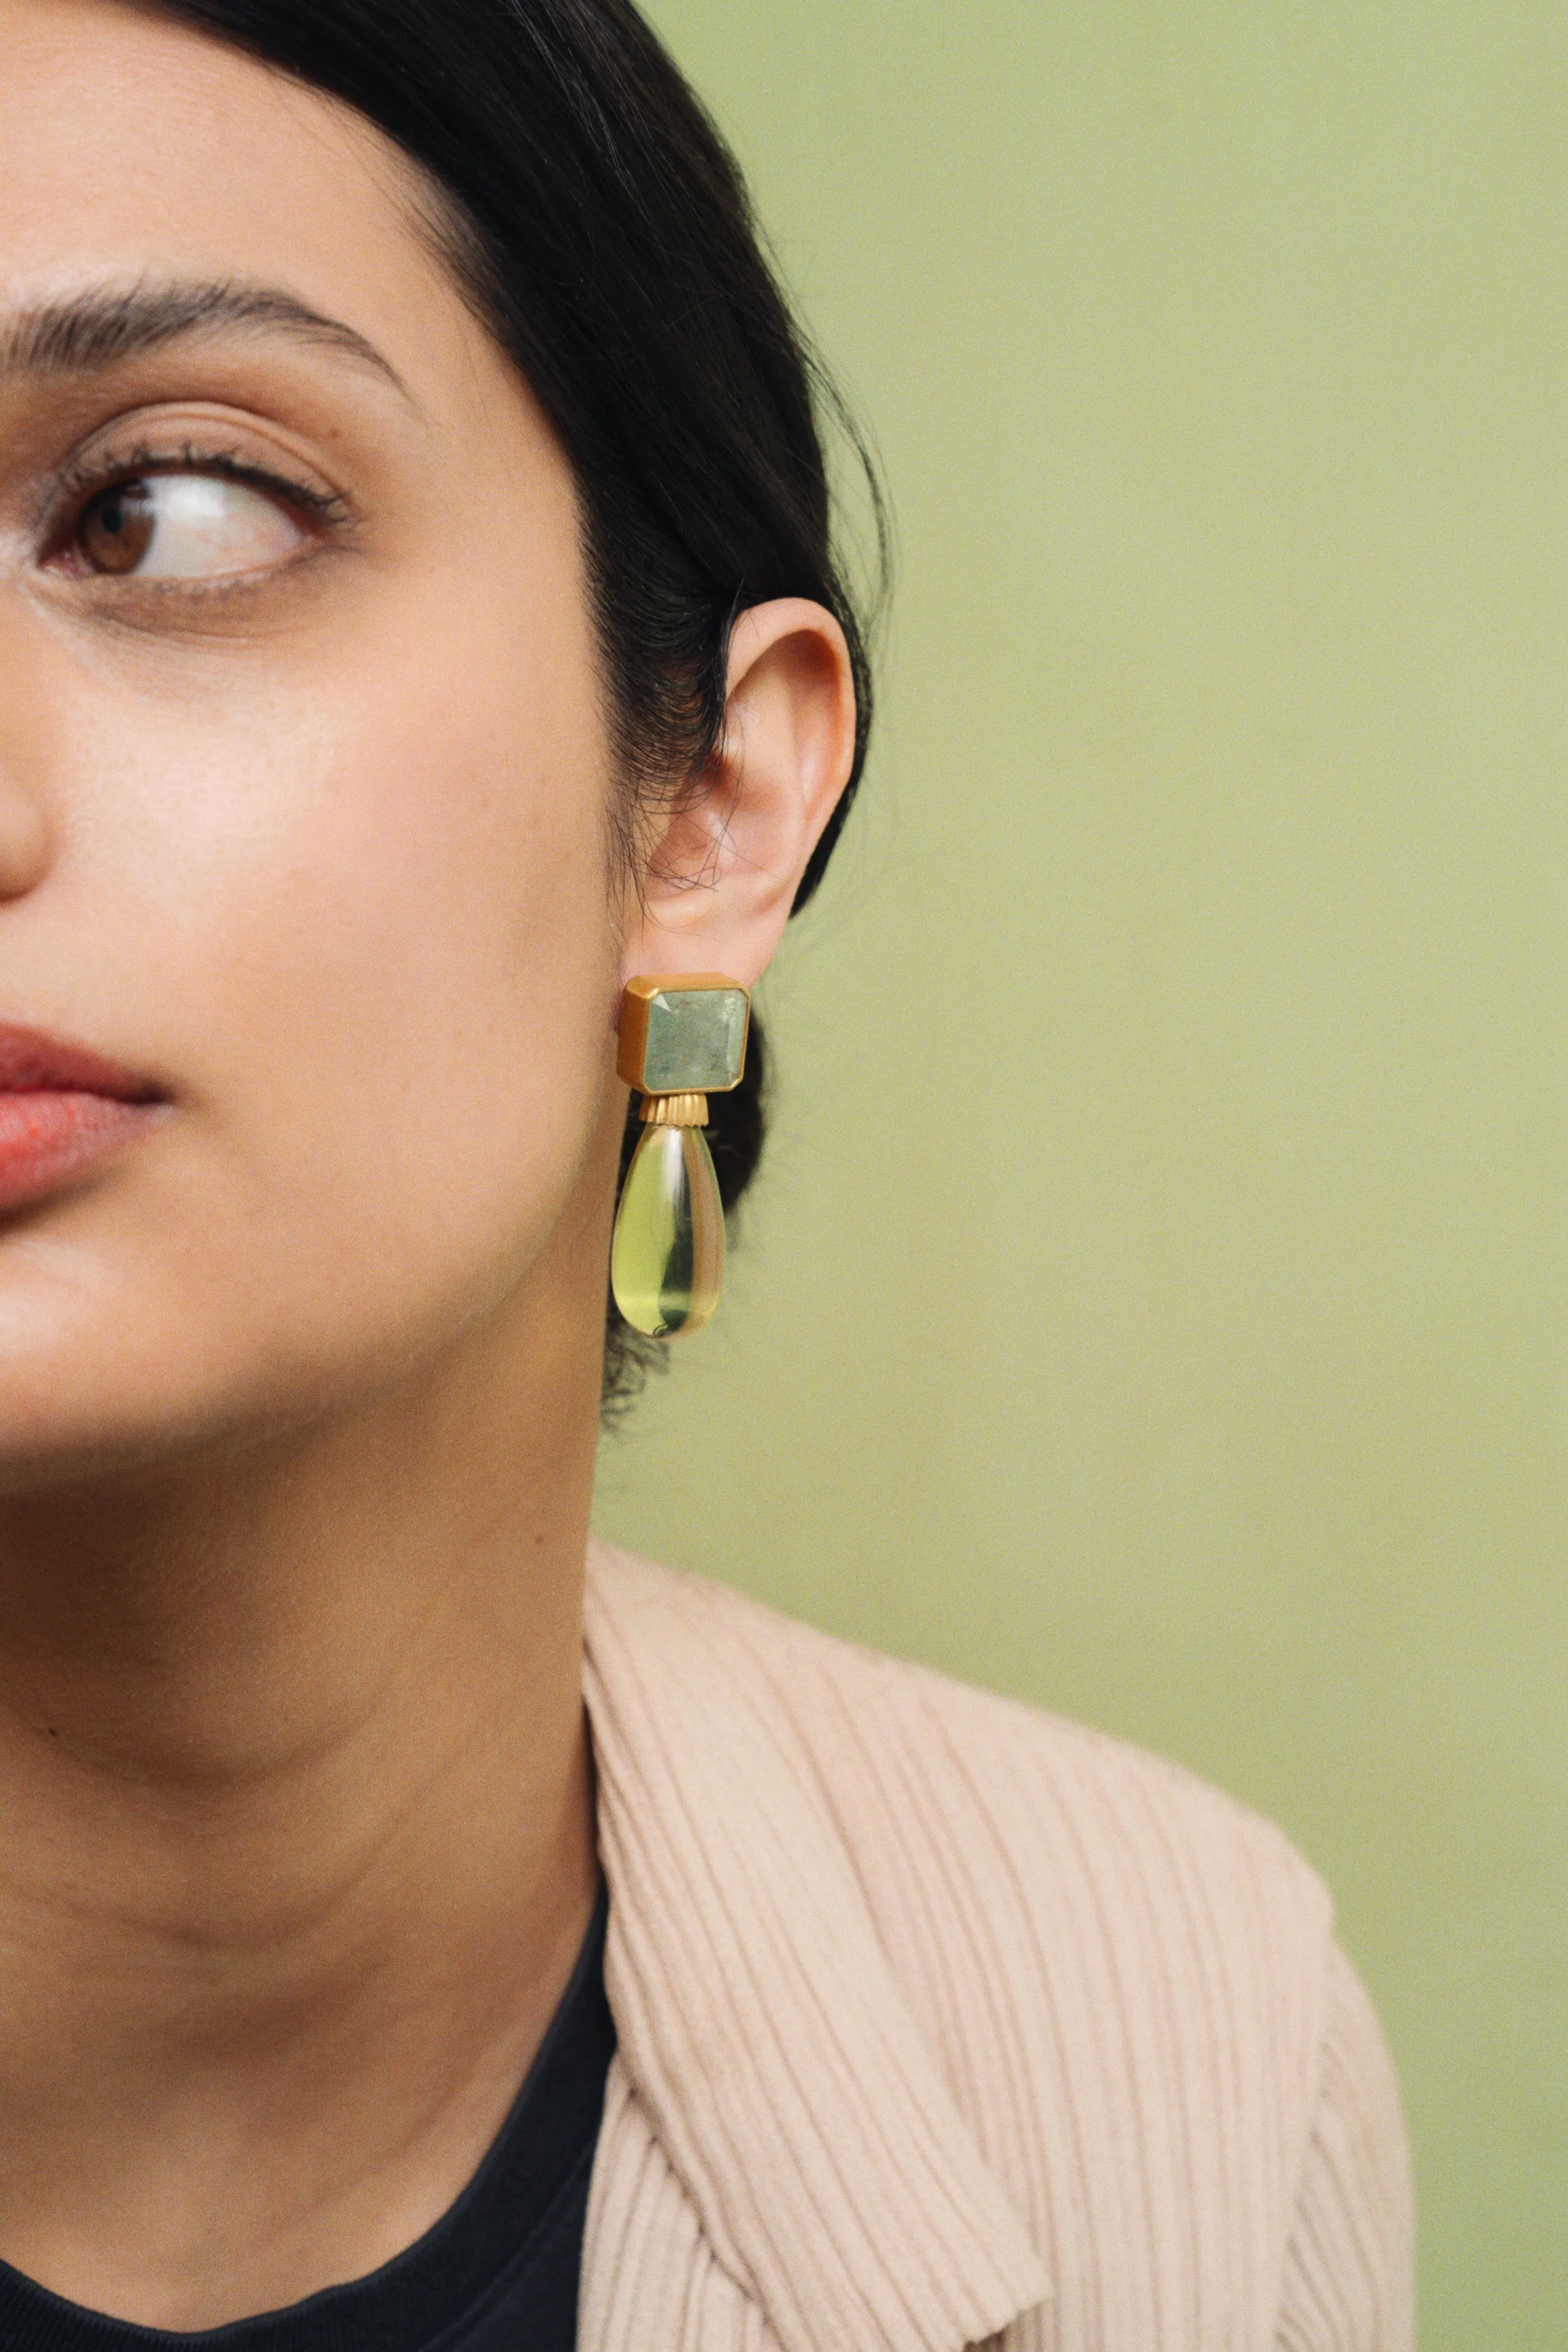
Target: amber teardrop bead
x,y
666,1261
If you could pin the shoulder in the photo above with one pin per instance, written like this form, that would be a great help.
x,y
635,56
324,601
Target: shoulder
x,y
1127,1981
1015,1809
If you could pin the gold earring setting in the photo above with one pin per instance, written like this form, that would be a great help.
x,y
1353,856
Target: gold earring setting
x,y
683,1038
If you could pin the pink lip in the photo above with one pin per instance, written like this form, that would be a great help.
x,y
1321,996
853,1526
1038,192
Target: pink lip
x,y
63,1108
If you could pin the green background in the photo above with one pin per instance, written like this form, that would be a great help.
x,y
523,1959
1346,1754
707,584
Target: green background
x,y
1156,1300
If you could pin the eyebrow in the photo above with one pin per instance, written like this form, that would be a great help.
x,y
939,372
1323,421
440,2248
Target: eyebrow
x,y
105,325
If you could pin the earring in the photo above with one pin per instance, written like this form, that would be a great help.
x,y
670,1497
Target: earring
x,y
682,1039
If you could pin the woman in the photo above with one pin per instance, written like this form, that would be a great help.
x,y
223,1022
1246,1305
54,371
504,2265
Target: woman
x,y
420,624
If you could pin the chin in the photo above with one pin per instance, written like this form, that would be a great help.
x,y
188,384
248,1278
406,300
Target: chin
x,y
95,1388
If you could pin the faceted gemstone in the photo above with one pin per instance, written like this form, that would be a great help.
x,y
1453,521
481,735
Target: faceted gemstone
x,y
666,1262
696,1041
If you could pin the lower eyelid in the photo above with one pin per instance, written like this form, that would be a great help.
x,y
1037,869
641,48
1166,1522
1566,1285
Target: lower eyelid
x,y
167,604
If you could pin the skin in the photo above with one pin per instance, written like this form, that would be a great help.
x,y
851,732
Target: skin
x,y
299,1393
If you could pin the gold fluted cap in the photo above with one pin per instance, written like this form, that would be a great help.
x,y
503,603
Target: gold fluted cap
x,y
675,1110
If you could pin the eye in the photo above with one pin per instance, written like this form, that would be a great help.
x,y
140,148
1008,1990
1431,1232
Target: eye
x,y
184,527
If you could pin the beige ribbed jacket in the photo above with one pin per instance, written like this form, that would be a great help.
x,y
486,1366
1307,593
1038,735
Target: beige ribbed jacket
x,y
942,2023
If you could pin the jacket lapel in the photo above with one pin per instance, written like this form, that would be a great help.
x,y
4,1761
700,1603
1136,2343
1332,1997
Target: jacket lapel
x,y
766,2057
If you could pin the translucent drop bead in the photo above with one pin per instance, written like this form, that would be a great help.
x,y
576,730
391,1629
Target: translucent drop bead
x,y
666,1262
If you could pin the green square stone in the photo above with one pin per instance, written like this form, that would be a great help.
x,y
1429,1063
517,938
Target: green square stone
x,y
695,1038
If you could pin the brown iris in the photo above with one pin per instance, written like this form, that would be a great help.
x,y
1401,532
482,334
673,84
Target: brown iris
x,y
116,528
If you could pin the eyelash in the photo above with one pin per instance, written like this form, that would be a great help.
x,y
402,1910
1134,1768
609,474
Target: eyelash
x,y
85,481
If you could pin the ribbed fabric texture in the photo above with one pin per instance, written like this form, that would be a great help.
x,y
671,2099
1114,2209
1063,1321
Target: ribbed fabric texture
x,y
945,2024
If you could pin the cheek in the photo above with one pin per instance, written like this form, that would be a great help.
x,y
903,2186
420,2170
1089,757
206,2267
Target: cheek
x,y
383,970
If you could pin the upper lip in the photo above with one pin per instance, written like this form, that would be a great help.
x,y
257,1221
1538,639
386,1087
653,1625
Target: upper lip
x,y
31,1062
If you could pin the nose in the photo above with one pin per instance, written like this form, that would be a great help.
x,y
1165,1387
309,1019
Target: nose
x,y
27,739
24,839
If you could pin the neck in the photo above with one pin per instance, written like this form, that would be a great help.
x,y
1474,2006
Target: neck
x,y
297,1834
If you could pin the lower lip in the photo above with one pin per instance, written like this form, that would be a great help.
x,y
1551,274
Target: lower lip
x,y
46,1139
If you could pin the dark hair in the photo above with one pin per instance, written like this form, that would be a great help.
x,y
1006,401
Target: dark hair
x,y
600,228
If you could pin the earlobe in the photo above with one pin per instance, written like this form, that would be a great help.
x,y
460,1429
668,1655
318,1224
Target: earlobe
x,y
721,878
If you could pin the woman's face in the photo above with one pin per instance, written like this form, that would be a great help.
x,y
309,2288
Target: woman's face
x,y
303,775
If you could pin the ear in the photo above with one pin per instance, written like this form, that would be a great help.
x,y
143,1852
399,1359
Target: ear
x,y
723,872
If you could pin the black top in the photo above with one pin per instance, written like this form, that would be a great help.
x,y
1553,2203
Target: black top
x,y
497,2270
